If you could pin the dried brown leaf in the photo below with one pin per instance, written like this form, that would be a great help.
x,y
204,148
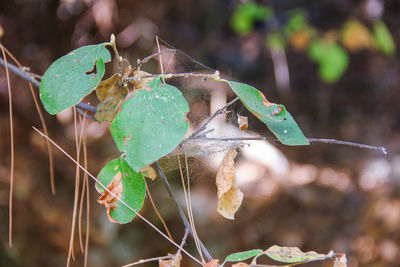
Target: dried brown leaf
x,y
243,123
212,263
108,200
174,262
110,94
149,172
229,196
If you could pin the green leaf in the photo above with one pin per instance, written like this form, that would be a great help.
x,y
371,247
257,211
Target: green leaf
x,y
332,59
72,77
246,14
127,184
384,39
297,21
276,117
151,123
295,255
244,255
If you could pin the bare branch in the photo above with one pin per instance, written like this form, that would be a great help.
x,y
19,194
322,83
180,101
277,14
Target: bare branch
x,y
30,77
180,210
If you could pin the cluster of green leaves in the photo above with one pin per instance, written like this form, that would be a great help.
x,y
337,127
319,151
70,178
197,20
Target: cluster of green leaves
x,y
148,125
329,50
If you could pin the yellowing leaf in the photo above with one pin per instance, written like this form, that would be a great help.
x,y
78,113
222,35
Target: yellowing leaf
x,y
110,94
295,255
108,200
229,196
355,36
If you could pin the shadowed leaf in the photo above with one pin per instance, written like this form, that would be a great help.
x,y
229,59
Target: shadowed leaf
x,y
150,124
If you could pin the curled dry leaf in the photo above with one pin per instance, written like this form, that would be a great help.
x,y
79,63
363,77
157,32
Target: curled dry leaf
x,y
108,200
174,262
229,196
213,263
110,94
295,255
243,123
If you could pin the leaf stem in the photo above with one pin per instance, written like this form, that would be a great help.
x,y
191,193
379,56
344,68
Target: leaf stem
x,y
180,210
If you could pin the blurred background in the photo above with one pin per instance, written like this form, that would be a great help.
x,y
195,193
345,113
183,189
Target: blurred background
x,y
333,64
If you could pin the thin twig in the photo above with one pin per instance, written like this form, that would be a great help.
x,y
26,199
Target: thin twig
x,y
21,73
219,111
39,110
149,260
116,197
180,210
30,77
346,143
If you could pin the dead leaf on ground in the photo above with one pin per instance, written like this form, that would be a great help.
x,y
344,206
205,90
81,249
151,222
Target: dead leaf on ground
x,y
229,196
174,262
108,200
213,263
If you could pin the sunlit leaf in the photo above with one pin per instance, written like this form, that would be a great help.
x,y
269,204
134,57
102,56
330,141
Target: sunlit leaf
x,y
332,59
150,124
72,77
118,177
276,117
229,196
383,38
110,94
244,255
294,255
246,14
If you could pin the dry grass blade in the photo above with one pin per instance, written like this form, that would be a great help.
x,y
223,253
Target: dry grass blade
x,y
157,212
119,199
12,148
42,121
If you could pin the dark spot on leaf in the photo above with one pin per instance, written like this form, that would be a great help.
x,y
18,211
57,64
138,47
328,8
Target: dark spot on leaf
x,y
92,71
